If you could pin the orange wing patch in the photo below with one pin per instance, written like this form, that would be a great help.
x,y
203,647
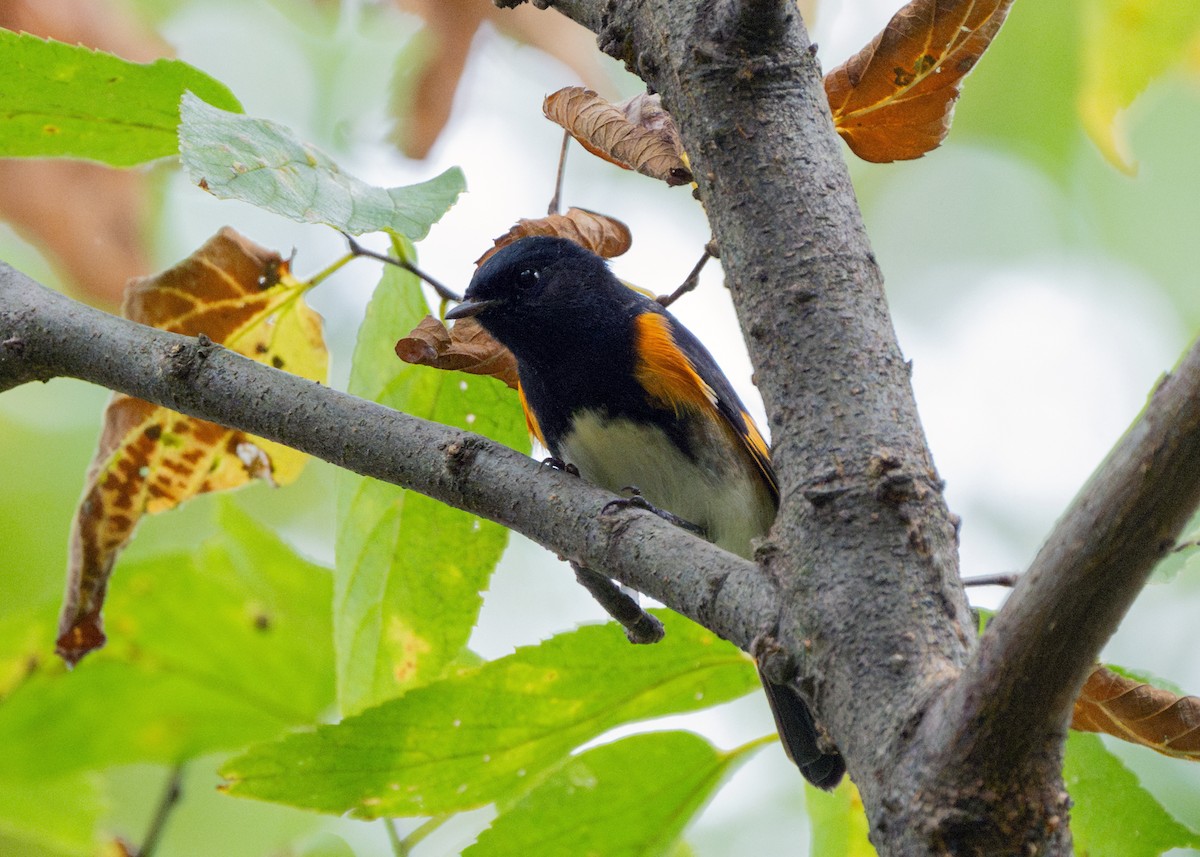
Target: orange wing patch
x,y
759,451
531,422
663,370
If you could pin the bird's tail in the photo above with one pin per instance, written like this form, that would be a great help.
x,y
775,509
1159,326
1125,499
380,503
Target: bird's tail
x,y
798,732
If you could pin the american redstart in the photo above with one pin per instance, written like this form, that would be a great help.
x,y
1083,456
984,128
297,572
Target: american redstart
x,y
613,384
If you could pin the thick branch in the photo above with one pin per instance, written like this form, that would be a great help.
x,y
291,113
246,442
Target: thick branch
x,y
1042,645
45,335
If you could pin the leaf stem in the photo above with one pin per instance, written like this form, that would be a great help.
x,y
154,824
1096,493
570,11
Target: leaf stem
x,y
404,847
166,804
321,276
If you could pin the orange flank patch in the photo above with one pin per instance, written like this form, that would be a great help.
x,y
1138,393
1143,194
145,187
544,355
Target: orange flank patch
x,y
531,422
759,451
664,370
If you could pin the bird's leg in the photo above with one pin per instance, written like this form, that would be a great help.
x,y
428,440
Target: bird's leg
x,y
558,464
640,626
637,501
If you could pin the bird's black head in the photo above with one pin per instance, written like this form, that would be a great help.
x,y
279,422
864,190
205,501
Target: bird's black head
x,y
544,293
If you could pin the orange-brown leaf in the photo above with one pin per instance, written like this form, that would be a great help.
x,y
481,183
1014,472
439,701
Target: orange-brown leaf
x,y
636,134
1139,713
605,236
465,347
894,99
150,459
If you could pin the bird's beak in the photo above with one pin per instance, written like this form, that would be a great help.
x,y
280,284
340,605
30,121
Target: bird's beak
x,y
469,309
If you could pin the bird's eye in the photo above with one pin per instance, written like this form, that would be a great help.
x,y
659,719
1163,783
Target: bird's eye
x,y
527,278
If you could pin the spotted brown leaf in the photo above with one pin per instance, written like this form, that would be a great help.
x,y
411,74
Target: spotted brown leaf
x,y
894,99
150,459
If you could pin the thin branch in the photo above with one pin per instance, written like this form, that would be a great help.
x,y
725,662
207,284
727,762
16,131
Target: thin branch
x,y
1006,578
693,279
357,249
44,334
556,200
1041,646
166,805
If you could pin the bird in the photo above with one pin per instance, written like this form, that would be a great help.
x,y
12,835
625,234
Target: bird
x,y
612,384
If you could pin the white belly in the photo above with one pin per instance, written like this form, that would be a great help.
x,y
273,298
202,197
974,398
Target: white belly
x,y
725,496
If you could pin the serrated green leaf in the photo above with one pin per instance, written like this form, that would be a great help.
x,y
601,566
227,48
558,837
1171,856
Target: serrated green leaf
x,y
1113,815
410,570
612,800
491,733
34,811
1126,44
263,163
68,101
839,823
210,649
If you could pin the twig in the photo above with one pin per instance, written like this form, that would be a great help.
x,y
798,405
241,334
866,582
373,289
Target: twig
x,y
1041,646
640,626
166,805
556,201
1003,578
357,249
693,279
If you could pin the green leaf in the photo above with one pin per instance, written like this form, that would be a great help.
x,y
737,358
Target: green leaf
x,y
489,734
410,570
1126,44
839,824
209,649
612,800
37,812
264,164
1022,93
68,101
1113,815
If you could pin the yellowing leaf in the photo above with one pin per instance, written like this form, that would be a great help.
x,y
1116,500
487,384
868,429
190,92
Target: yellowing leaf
x,y
1139,713
893,100
636,134
150,459
603,235
1126,44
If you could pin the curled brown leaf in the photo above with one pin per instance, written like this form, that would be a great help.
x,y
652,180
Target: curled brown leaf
x,y
603,235
894,99
465,347
636,134
1139,713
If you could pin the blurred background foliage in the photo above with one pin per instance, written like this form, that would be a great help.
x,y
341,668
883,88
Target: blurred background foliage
x,y
1039,287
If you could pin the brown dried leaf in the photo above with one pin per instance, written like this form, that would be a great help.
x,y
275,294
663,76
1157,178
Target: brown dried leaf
x,y
603,235
894,99
465,347
150,459
1139,713
636,134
